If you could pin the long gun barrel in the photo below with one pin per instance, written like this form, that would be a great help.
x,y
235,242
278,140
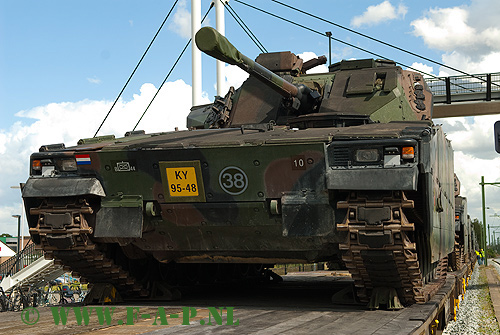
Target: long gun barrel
x,y
214,44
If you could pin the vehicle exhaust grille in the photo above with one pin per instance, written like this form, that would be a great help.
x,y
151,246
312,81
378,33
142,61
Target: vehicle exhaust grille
x,y
339,156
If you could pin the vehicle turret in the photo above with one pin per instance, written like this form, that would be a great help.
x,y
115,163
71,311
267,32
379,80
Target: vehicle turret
x,y
353,92
299,97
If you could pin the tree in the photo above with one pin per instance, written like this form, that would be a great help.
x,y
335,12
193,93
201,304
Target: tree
x,y
478,230
6,235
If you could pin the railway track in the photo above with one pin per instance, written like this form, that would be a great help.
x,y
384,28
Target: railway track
x,y
300,305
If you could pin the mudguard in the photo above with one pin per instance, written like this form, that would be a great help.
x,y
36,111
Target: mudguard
x,y
47,187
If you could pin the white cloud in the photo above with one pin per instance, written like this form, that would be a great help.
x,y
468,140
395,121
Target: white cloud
x,y
444,28
420,67
469,35
94,80
377,14
471,41
234,76
472,135
75,120
181,24
67,122
8,224
475,156
458,27
486,63
469,170
308,55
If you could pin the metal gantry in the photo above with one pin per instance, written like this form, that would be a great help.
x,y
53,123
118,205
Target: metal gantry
x,y
476,87
465,95
482,183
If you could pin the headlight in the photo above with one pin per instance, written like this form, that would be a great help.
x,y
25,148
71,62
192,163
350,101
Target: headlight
x,y
68,164
367,155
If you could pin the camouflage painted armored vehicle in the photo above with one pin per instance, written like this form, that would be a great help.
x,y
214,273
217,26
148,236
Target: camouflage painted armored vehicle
x,y
289,168
463,252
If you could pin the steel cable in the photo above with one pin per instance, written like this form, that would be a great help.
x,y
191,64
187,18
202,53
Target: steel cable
x,y
171,69
136,67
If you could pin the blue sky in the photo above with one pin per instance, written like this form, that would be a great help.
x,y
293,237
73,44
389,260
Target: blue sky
x,y
69,51
62,64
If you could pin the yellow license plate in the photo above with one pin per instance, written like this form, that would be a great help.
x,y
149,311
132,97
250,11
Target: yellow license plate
x,y
182,181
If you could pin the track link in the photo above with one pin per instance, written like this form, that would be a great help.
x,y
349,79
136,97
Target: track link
x,y
63,233
378,250
457,257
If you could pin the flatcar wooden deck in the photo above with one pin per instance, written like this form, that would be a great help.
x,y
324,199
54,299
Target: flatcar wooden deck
x,y
299,305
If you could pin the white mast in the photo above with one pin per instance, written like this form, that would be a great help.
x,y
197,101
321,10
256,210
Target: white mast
x,y
196,53
219,25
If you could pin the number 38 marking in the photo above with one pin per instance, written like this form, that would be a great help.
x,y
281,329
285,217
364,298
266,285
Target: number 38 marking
x,y
233,180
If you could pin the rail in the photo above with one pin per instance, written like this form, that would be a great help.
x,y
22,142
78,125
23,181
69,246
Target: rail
x,y
477,87
21,260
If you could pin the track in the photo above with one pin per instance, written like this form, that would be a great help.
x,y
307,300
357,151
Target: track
x,y
63,233
380,253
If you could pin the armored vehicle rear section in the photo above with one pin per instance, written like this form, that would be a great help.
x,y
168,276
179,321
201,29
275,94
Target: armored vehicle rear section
x,y
290,168
463,252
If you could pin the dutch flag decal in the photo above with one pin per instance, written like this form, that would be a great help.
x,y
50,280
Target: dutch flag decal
x,y
82,159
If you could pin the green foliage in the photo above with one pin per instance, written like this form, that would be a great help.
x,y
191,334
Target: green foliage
x,y
491,252
6,235
478,229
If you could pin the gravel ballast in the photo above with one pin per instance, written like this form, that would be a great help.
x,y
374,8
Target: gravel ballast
x,y
476,314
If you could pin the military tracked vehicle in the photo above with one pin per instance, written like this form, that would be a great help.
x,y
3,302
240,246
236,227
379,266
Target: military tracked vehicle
x,y
344,166
463,252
